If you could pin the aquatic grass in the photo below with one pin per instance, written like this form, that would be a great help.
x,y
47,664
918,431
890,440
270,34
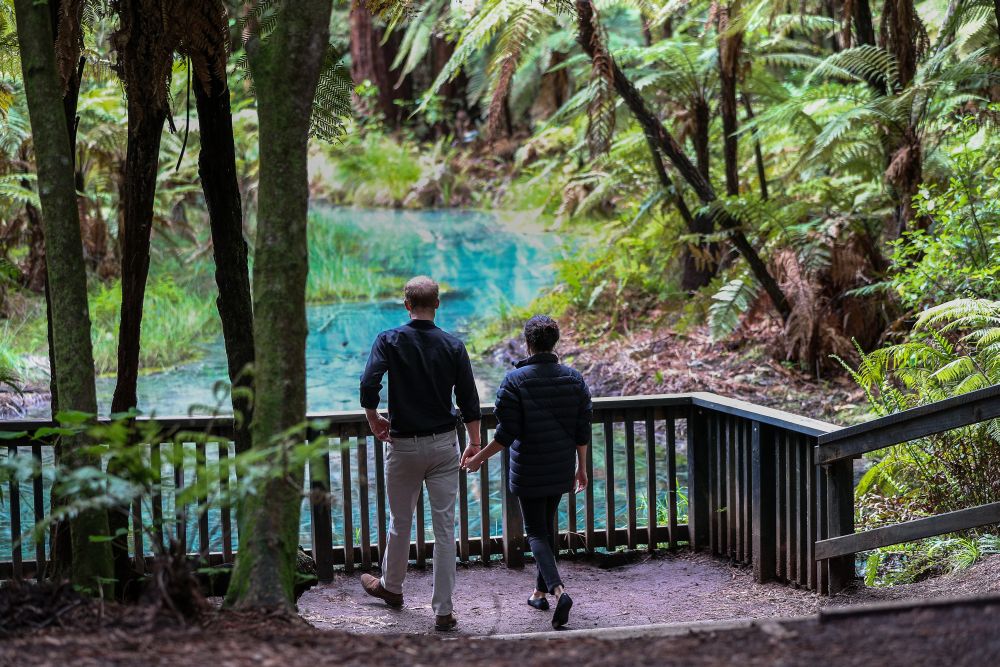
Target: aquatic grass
x,y
175,320
347,263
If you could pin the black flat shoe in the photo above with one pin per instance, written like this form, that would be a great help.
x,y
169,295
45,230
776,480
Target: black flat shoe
x,y
541,604
561,615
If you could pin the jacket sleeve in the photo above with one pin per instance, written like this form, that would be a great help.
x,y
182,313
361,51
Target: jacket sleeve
x,y
371,378
508,413
584,430
466,393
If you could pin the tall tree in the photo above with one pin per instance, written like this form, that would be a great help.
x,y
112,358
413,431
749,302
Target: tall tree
x,y
67,26
286,68
207,45
588,36
74,360
730,45
145,48
372,55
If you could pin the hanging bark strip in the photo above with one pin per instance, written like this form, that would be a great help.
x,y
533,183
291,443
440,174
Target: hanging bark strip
x,y
666,143
286,68
217,169
74,367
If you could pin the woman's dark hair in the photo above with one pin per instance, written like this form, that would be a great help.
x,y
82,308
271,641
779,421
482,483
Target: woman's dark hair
x,y
541,333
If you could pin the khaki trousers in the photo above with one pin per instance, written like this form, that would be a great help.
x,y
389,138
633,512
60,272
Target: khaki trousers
x,y
410,463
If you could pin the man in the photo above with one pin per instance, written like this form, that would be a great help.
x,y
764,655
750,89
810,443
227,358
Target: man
x,y
425,365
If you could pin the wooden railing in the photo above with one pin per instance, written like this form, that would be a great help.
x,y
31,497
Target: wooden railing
x,y
836,450
721,475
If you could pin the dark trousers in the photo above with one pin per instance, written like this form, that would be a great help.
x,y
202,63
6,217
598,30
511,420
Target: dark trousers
x,y
539,518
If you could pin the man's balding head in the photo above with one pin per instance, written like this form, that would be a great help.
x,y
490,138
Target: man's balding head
x,y
421,294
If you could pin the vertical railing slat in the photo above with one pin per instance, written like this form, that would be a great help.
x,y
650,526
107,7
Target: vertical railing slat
x,y
201,461
589,519
366,533
779,506
672,479
747,495
38,506
345,483
790,544
322,520
609,483
180,510
224,506
485,529
630,487
732,502
156,463
17,558
651,494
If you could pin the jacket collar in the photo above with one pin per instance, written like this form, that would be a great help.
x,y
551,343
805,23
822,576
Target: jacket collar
x,y
421,324
540,358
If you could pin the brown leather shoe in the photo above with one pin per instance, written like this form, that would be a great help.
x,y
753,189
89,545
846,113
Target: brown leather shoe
x,y
373,586
445,623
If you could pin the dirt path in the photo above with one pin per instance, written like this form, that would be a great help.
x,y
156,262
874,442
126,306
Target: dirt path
x,y
675,587
490,600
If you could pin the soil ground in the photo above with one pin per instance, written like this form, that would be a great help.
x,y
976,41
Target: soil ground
x,y
679,587
673,587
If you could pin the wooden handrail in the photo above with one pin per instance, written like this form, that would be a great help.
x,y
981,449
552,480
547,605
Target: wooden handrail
x,y
222,424
965,410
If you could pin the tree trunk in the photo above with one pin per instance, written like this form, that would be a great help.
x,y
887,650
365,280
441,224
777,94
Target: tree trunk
x,y
145,60
757,154
700,136
286,71
65,16
219,181
74,360
371,60
666,143
729,62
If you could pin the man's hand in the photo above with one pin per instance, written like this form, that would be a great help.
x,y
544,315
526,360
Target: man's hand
x,y
469,452
581,480
380,427
473,463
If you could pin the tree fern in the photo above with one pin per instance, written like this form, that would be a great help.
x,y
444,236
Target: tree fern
x,y
729,304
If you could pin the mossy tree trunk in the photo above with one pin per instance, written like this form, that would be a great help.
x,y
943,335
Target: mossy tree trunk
x,y
219,182
286,70
74,359
66,17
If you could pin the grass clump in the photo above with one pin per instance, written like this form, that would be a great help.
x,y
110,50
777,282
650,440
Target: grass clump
x,y
175,319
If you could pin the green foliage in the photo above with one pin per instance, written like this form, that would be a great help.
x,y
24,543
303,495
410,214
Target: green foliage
x,y
954,348
729,304
959,254
175,319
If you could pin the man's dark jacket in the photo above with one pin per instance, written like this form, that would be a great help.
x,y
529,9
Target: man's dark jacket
x,y
543,411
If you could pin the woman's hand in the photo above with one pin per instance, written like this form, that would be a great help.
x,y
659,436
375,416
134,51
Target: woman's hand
x,y
581,479
474,463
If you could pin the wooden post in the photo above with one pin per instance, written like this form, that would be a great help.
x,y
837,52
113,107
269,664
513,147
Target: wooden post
x,y
698,479
762,491
513,523
322,526
840,520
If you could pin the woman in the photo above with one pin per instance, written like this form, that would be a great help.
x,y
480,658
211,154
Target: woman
x,y
543,415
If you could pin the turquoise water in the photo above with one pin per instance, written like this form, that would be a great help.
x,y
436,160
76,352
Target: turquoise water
x,y
487,261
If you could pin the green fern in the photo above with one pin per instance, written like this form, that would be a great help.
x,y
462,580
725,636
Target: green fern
x,y
729,304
